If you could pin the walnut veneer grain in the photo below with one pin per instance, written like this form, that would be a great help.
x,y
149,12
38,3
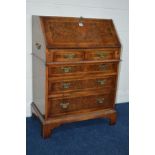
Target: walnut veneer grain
x,y
75,70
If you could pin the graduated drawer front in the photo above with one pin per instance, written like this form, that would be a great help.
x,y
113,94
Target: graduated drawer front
x,y
71,105
63,70
103,83
70,55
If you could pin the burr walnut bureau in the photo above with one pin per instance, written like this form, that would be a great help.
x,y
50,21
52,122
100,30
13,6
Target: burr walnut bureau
x,y
75,70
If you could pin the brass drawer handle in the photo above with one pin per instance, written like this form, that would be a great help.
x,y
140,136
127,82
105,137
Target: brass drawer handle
x,y
69,56
103,66
64,105
38,46
66,69
101,82
100,100
66,85
101,54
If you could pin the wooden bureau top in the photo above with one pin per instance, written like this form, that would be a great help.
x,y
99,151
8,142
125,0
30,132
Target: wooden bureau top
x,y
69,32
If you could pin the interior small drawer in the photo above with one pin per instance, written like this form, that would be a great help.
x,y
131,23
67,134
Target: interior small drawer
x,y
65,55
99,54
70,105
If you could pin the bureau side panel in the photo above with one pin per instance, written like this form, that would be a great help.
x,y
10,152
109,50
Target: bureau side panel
x,y
117,55
38,62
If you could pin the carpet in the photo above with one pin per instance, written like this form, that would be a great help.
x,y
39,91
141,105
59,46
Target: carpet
x,y
92,137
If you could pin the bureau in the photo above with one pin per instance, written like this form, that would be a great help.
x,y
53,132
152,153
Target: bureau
x,y
75,70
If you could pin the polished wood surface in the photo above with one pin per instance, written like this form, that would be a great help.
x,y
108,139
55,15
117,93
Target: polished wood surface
x,y
78,84
73,55
72,105
65,56
76,69
75,65
64,32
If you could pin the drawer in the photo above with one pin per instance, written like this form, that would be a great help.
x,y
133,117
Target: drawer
x,y
100,55
65,56
102,67
62,70
66,85
80,69
72,105
103,83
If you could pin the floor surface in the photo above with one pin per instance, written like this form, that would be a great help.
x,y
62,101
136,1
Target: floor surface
x,y
92,137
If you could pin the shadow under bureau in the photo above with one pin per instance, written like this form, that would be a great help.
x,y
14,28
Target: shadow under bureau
x,y
75,70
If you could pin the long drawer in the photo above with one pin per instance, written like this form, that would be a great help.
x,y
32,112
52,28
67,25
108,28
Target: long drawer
x,y
104,83
72,105
73,69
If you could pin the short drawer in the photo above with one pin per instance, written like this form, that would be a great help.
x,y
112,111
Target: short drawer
x,y
104,83
65,86
100,55
71,105
102,68
65,56
62,70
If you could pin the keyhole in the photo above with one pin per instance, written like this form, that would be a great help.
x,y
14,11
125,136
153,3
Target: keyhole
x,y
80,22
